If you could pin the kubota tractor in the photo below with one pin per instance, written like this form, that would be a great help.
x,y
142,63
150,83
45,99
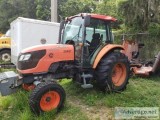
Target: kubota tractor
x,y
84,53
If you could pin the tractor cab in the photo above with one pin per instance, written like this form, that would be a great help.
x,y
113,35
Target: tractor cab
x,y
88,33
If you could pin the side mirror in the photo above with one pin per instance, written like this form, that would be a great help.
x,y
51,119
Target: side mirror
x,y
60,30
87,20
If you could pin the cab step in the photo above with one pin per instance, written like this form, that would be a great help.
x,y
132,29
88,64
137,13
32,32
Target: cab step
x,y
85,85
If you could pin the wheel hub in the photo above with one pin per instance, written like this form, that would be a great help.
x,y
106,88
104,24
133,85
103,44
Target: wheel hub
x,y
48,99
6,57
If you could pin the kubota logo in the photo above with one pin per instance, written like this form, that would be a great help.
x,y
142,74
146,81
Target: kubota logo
x,y
51,55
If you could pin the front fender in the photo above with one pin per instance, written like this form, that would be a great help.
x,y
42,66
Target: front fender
x,y
106,49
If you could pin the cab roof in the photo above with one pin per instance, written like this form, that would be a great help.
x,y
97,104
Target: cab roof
x,y
96,16
103,17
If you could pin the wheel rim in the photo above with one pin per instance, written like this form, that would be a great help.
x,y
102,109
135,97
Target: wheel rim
x,y
6,57
49,101
119,74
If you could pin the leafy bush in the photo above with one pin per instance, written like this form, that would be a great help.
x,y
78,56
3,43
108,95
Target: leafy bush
x,y
154,29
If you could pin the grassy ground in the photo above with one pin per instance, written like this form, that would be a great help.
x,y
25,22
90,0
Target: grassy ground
x,y
84,104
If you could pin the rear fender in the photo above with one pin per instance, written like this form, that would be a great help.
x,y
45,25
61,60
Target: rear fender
x,y
105,50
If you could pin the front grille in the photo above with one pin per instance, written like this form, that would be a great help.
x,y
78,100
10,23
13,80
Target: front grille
x,y
33,61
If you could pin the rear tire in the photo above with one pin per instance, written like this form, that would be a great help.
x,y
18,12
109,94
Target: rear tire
x,y
47,96
5,55
112,72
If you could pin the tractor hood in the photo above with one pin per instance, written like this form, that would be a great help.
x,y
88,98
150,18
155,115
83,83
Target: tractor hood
x,y
48,48
39,58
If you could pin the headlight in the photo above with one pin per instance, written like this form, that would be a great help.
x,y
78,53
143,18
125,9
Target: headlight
x,y
24,57
30,60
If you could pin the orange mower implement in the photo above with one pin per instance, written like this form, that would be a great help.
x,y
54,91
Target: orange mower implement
x,y
139,68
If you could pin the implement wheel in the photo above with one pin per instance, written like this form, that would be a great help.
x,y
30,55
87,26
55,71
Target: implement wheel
x,y
46,97
113,72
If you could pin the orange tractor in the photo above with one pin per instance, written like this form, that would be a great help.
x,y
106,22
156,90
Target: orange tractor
x,y
84,53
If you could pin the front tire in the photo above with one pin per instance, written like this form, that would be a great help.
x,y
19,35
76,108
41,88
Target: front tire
x,y
46,97
5,55
113,72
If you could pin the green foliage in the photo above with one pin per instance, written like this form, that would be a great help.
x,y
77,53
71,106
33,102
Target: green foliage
x,y
154,29
10,10
6,102
134,14
30,8
107,7
138,14
43,11
73,7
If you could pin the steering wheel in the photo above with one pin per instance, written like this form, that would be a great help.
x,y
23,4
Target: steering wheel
x,y
71,42
88,42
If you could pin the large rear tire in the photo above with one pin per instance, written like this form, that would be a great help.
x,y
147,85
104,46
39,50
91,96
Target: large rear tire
x,y
47,96
113,71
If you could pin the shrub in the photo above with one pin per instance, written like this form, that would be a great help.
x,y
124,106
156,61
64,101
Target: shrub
x,y
154,29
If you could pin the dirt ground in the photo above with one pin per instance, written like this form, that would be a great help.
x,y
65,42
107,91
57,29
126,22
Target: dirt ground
x,y
92,112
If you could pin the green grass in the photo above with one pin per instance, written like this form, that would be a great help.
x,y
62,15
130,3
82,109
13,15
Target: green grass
x,y
140,92
4,70
15,107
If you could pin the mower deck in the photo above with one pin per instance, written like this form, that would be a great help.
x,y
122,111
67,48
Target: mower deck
x,y
144,71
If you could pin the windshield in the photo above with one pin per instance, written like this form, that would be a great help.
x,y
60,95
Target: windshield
x,y
73,30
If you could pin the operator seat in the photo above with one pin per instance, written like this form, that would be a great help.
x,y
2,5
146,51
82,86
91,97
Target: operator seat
x,y
95,42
